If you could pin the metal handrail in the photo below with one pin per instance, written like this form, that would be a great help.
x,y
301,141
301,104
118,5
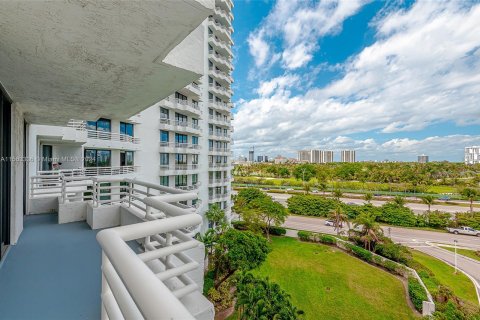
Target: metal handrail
x,y
81,125
179,145
185,124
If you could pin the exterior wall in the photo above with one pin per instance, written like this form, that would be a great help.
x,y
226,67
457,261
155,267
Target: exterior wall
x,y
347,156
472,155
17,174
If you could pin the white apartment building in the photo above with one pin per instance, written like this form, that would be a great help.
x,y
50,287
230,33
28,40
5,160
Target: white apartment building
x,y
472,155
315,156
347,156
423,158
122,113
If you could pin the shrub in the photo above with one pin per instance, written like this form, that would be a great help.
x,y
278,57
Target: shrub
x,y
208,282
434,219
394,214
305,235
352,211
471,220
393,251
360,252
240,225
416,293
309,205
277,231
390,266
326,239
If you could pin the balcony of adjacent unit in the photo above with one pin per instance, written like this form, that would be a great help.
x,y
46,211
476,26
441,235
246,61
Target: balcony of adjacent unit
x,y
193,89
219,120
219,135
218,197
224,16
221,61
220,91
178,169
217,182
226,5
219,105
220,46
180,126
185,106
220,76
179,147
221,31
219,151
107,274
218,165
191,187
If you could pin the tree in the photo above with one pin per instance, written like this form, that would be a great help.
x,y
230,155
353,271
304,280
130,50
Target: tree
x,y
238,251
399,201
304,172
260,299
208,239
337,194
370,230
307,187
428,200
217,217
283,172
368,197
339,218
322,186
470,194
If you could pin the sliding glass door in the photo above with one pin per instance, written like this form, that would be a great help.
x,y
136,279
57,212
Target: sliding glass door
x,y
5,169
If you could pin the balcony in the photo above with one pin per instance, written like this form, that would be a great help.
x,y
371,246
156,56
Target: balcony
x,y
218,197
220,76
182,105
220,31
224,16
219,182
222,106
177,169
221,61
192,187
219,120
227,5
220,46
192,89
219,91
176,147
218,166
219,151
218,136
180,126
146,264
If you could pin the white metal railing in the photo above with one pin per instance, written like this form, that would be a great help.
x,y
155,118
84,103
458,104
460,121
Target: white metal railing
x,y
179,167
166,144
219,11
109,171
81,125
221,180
194,186
179,123
219,149
224,59
220,74
218,165
218,135
184,103
220,43
220,119
218,196
224,29
219,105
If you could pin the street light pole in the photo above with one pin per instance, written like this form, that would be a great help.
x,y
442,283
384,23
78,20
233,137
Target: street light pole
x,y
455,242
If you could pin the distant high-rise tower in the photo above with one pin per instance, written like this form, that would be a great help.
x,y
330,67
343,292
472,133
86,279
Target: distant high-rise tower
x,y
347,156
315,156
472,155
423,158
251,155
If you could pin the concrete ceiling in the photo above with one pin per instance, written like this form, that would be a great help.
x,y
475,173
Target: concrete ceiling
x,y
89,59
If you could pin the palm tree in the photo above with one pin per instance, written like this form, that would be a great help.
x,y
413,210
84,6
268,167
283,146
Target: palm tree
x,y
307,187
428,200
368,197
337,194
470,194
370,229
323,186
339,218
399,201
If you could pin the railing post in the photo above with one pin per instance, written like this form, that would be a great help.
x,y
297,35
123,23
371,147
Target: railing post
x,y
64,189
130,192
104,315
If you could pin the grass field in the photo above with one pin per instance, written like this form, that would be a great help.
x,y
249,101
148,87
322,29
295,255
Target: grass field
x,y
464,252
329,284
460,285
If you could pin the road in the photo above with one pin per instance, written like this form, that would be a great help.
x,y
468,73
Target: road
x,y
414,238
416,207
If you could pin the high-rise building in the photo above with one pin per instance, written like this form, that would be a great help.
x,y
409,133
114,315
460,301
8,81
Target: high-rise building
x,y
347,156
423,158
135,169
315,156
304,155
251,156
472,155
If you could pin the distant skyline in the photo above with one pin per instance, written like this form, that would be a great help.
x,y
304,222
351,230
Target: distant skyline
x,y
391,80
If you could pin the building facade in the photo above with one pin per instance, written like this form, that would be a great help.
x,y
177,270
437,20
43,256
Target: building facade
x,y
423,159
315,156
472,155
347,156
183,141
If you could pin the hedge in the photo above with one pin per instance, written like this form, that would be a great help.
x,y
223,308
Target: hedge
x,y
277,231
305,235
309,205
363,254
417,293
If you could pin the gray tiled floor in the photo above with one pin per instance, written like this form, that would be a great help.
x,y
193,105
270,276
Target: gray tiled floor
x,y
52,273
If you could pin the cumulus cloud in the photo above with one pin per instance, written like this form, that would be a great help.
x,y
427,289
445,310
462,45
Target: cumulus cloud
x,y
423,69
298,25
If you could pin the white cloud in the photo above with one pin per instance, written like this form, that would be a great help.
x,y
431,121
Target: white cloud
x,y
298,24
277,85
423,69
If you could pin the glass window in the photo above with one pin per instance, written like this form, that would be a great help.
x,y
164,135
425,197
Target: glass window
x,y
164,159
164,113
104,125
194,140
194,178
180,158
164,181
181,138
129,158
90,158
180,96
91,125
104,158
97,158
195,103
181,181
163,136
126,128
180,117
194,158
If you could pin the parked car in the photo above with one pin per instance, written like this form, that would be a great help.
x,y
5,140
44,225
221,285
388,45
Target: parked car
x,y
330,223
352,204
314,191
444,198
464,230
289,189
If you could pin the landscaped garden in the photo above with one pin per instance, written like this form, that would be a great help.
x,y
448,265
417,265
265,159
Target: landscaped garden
x,y
465,252
327,283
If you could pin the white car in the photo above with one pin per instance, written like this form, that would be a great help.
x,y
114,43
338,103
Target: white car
x,y
464,230
330,223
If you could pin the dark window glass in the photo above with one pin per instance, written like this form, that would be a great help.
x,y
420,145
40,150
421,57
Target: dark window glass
x,y
126,128
104,125
90,158
104,158
164,159
180,181
180,158
181,138
165,181
163,136
180,96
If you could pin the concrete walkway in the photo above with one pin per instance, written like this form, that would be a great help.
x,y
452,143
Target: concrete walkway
x,y
52,273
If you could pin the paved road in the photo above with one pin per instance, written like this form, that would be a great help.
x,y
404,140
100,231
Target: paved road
x,y
416,207
417,239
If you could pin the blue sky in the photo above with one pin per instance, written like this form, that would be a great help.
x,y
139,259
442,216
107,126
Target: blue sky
x,y
389,79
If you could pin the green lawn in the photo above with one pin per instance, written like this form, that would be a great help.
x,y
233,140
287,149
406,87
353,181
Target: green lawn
x,y
460,284
464,252
329,284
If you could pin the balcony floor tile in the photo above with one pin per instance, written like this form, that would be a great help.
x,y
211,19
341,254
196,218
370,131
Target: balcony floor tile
x,y
52,273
